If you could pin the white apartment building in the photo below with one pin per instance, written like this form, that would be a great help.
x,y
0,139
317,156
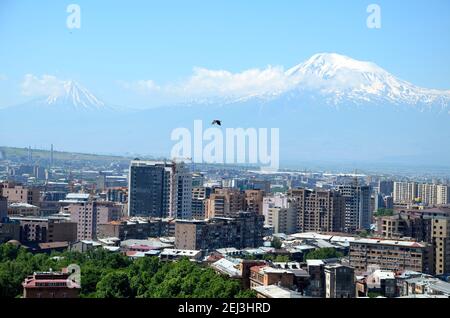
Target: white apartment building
x,y
426,193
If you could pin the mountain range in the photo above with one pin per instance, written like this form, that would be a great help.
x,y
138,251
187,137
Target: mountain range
x,y
328,108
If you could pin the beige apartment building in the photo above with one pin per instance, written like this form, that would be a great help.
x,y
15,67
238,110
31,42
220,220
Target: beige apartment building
x,y
254,201
23,209
391,255
225,203
440,236
20,194
317,210
429,225
89,214
283,220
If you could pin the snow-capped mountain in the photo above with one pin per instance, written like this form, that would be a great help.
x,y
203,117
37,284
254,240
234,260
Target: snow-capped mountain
x,y
76,96
341,79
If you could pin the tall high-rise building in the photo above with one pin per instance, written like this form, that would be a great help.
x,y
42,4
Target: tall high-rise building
x,y
226,202
405,192
197,180
426,193
318,210
181,191
386,187
443,194
358,213
89,214
254,201
160,189
199,197
283,220
271,201
149,189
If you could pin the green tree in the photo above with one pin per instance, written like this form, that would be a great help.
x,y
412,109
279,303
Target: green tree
x,y
276,243
108,275
384,212
364,233
323,253
114,285
249,293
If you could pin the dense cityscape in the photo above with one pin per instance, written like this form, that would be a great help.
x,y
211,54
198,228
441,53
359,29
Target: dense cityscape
x,y
132,224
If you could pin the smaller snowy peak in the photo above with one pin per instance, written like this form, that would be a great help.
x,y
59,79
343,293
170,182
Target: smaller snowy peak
x,y
75,95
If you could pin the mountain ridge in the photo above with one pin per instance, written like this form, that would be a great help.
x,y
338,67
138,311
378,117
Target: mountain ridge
x,y
334,78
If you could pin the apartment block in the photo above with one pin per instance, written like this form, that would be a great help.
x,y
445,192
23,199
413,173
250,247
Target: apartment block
x,y
254,201
440,236
160,189
136,228
425,193
428,225
46,230
317,210
89,214
391,255
20,194
149,189
282,220
23,209
225,203
358,211
405,192
244,230
199,197
339,281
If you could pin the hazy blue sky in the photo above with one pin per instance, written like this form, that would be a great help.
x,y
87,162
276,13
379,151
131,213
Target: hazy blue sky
x,y
128,41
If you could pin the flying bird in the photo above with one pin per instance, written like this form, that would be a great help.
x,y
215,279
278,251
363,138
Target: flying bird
x,y
217,122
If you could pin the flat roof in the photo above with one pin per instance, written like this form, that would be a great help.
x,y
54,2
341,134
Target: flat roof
x,y
228,267
22,205
314,262
81,196
387,242
274,291
176,252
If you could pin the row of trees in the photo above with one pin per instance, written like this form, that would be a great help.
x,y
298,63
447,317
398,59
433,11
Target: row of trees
x,y
324,253
113,275
384,212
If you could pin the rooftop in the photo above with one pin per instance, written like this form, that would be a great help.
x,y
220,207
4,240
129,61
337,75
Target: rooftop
x,y
228,266
175,252
22,205
274,291
314,262
388,242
